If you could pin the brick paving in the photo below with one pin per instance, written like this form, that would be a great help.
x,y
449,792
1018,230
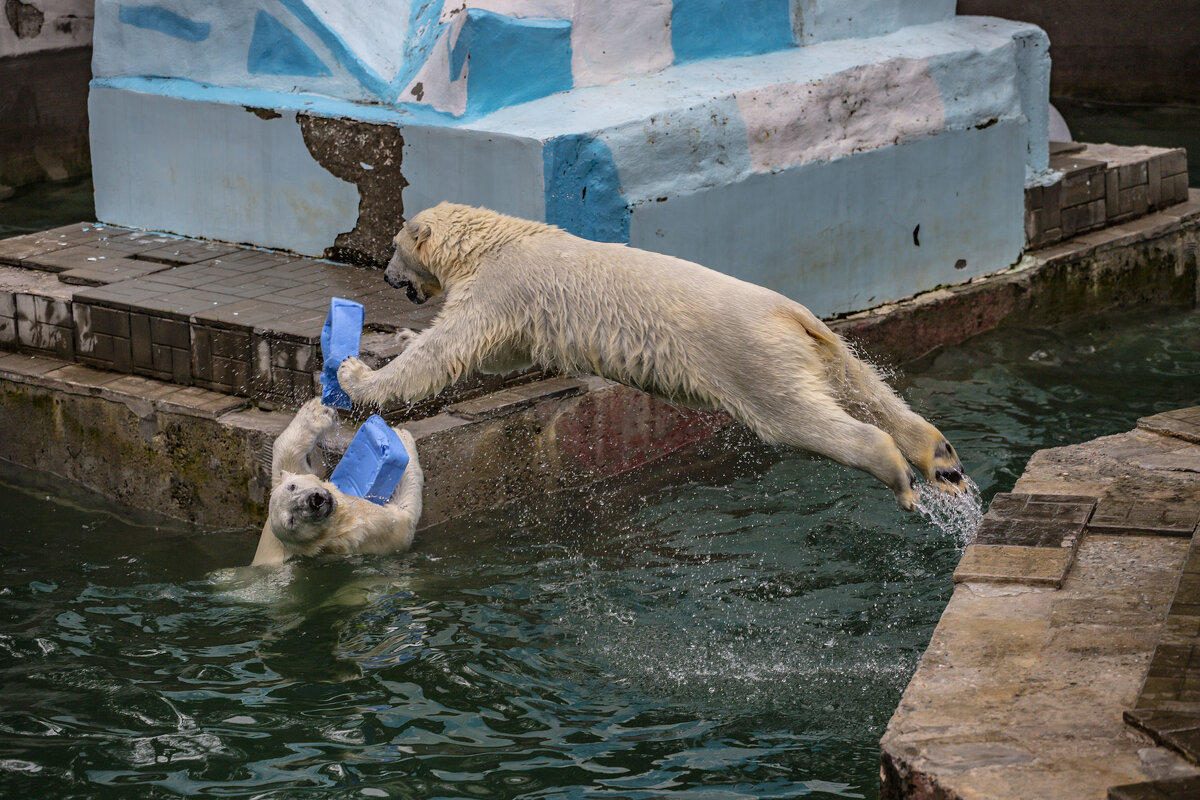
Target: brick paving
x,y
235,320
1100,185
1026,538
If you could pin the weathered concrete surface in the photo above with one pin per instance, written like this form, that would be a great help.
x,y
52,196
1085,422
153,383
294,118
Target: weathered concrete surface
x,y
205,457
1149,261
183,451
1022,689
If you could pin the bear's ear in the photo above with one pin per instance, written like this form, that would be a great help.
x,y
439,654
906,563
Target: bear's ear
x,y
419,231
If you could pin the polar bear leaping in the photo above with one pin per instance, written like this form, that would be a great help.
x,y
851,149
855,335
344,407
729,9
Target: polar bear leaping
x,y
308,516
521,292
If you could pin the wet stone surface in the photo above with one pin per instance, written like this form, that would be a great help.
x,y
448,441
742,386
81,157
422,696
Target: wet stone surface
x,y
1183,423
235,320
1026,538
1145,518
1069,655
1168,705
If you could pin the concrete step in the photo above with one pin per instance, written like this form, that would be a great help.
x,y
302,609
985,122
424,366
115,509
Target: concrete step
x,y
241,321
1100,185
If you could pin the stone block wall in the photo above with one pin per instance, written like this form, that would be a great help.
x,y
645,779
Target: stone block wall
x,y
754,138
1099,185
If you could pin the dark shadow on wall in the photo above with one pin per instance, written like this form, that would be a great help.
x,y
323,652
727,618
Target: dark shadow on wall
x,y
43,116
1114,51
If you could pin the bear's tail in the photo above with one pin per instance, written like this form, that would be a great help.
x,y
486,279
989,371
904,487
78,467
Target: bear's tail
x,y
829,346
808,322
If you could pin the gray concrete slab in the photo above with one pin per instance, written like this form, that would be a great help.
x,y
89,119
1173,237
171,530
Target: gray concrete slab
x,y
1024,688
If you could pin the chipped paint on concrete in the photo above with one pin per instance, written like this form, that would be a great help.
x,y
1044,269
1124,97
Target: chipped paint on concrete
x,y
274,194
863,108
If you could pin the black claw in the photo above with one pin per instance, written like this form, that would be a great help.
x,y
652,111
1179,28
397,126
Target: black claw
x,y
950,475
912,479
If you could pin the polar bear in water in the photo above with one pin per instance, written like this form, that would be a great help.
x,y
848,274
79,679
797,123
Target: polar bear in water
x,y
308,516
521,292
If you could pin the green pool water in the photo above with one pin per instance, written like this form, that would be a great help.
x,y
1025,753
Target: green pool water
x,y
738,623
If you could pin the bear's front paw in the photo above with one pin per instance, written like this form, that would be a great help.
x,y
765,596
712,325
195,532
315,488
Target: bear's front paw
x,y
948,473
406,439
315,417
404,338
353,376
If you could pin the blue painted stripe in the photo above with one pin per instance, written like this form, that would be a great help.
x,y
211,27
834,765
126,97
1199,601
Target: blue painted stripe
x,y
369,78
163,20
424,30
513,60
583,191
275,50
703,29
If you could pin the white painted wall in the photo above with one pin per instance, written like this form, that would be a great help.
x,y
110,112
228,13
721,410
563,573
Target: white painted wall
x,y
496,171
213,171
825,20
838,235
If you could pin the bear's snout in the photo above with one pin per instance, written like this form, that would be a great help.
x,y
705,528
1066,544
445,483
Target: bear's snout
x,y
319,503
410,291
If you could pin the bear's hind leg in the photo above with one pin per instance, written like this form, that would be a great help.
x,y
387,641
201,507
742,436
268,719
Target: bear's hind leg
x,y
822,427
864,395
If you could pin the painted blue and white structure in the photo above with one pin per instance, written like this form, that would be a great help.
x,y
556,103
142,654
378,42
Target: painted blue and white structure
x,y
843,152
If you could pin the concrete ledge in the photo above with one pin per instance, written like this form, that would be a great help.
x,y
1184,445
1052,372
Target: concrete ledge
x,y
1151,261
1182,423
498,440
1024,689
205,457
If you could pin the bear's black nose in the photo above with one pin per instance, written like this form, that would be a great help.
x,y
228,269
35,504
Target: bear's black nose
x,y
319,502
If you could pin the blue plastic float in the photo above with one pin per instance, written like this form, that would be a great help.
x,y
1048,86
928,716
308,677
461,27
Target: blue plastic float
x,y
375,460
339,340
373,464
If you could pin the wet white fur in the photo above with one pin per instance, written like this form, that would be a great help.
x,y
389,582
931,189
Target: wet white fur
x,y
525,292
356,525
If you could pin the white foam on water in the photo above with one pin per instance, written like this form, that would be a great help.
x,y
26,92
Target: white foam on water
x,y
956,514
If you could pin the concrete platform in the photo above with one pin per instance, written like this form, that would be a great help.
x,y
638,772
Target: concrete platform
x,y
1068,669
798,144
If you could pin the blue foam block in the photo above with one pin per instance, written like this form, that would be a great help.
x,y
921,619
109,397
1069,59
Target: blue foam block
x,y
339,341
373,464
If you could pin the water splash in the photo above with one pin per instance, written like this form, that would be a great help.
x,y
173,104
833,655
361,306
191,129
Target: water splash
x,y
956,514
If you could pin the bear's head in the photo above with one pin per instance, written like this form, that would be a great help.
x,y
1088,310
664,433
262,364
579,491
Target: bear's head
x,y
300,511
407,269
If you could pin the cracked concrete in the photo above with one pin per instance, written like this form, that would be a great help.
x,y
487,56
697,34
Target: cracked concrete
x,y
1022,689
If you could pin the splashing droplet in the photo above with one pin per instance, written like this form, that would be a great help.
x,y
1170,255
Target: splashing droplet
x,y
956,514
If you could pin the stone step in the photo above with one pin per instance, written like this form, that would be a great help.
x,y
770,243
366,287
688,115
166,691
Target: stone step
x,y
246,321
1100,185
241,321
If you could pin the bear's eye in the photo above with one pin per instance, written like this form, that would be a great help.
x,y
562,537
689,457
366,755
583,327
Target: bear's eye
x,y
291,487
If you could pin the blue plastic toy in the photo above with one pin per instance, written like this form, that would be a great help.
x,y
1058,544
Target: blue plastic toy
x,y
373,464
339,341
